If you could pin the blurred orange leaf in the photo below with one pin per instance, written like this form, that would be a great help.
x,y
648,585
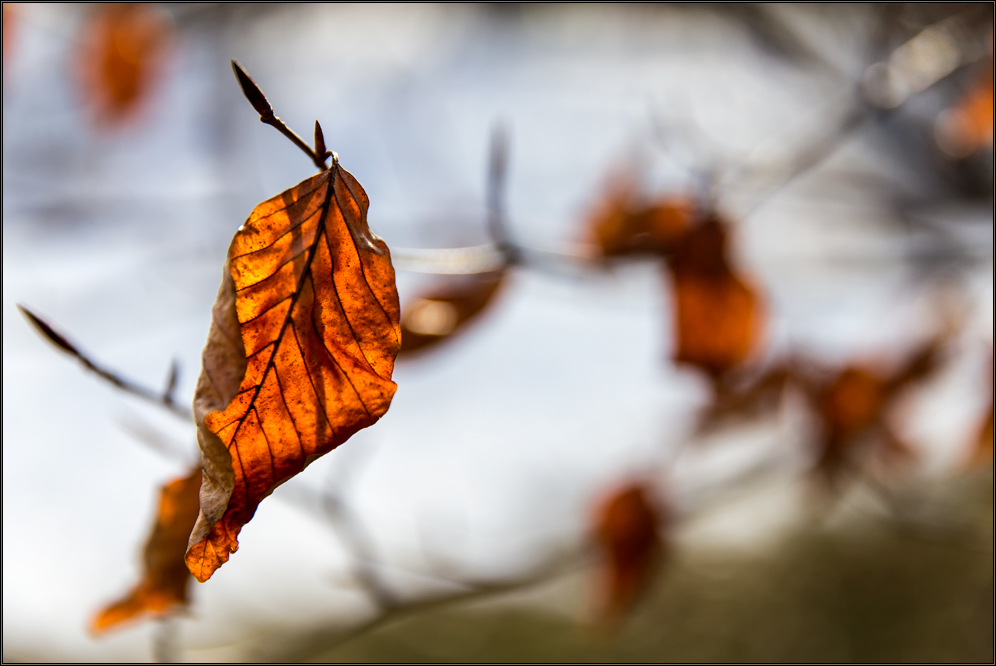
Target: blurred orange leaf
x,y
719,317
445,311
300,353
856,402
627,533
165,578
620,225
121,56
975,112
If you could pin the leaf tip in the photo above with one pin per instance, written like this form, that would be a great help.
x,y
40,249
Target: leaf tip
x,y
252,91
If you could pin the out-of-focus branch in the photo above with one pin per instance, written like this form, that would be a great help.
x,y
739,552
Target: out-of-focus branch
x,y
163,398
929,57
497,180
475,592
353,535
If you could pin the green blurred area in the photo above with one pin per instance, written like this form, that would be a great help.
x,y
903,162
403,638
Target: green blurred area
x,y
864,588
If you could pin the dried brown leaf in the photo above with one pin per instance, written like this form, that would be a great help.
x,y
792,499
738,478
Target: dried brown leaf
x,y
627,533
165,577
719,317
621,225
300,352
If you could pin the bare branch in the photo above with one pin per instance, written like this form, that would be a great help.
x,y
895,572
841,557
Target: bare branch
x,y
164,400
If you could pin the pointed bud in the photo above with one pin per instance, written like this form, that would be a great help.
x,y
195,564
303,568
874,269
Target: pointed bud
x,y
320,149
47,331
252,92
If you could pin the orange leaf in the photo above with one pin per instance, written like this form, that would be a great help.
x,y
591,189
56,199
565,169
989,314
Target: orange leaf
x,y
853,402
627,533
857,401
121,56
621,226
718,316
165,579
445,311
973,117
300,354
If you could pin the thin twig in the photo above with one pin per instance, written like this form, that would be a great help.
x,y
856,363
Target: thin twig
x,y
863,111
266,115
162,399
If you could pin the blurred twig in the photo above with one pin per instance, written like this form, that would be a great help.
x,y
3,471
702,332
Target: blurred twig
x,y
355,538
157,441
497,178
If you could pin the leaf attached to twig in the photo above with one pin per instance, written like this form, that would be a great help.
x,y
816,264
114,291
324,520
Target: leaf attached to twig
x,y
299,356
165,577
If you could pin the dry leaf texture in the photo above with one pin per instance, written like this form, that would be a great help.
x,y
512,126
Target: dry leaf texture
x,y
299,356
165,577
